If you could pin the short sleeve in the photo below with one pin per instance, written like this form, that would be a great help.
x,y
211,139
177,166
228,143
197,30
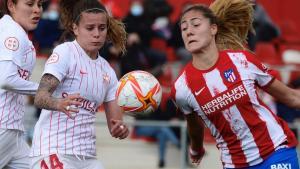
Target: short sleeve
x,y
180,94
112,80
58,63
12,45
262,74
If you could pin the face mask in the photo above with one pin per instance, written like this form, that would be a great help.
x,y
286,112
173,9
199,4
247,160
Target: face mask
x,y
53,15
136,10
160,23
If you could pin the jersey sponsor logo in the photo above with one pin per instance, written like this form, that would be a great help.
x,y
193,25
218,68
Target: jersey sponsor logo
x,y
199,91
12,43
53,58
281,166
224,100
85,103
229,75
24,74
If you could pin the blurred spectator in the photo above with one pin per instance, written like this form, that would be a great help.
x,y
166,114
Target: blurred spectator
x,y
265,29
161,134
176,40
149,19
139,22
140,55
48,31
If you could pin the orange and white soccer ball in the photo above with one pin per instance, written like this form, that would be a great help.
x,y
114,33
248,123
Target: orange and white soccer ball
x,y
138,92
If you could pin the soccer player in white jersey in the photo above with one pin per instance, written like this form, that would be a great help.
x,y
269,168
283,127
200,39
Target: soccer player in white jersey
x,y
218,89
17,59
76,69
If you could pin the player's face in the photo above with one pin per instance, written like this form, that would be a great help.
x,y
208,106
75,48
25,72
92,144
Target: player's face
x,y
197,31
91,32
26,12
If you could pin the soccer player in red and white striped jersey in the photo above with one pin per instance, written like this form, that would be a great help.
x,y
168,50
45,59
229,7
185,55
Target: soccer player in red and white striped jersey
x,y
17,60
218,89
75,82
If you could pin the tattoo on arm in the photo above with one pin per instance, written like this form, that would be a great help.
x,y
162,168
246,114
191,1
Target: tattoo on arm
x,y
44,97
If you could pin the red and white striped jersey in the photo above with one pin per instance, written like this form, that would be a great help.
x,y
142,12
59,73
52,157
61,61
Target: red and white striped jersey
x,y
96,82
225,97
16,47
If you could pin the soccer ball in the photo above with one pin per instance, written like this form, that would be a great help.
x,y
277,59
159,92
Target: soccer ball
x,y
138,92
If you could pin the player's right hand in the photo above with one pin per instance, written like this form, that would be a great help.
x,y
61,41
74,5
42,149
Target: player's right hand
x,y
196,155
69,105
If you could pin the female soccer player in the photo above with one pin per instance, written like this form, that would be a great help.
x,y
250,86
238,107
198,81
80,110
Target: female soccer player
x,y
218,89
75,82
17,59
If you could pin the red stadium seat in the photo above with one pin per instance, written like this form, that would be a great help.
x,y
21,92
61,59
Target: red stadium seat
x,y
267,53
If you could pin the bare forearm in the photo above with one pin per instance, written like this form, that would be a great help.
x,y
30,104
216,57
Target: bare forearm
x,y
44,97
112,111
195,130
44,101
196,135
294,102
284,94
10,80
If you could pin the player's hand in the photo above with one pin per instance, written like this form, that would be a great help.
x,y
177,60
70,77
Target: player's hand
x,y
196,155
118,129
69,105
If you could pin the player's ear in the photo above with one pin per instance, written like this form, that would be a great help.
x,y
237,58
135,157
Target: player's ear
x,y
75,29
214,29
11,6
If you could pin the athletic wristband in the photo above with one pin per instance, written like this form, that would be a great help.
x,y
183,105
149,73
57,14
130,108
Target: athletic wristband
x,y
197,152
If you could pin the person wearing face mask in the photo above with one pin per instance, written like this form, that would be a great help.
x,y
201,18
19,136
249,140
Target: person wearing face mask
x,y
136,8
17,60
49,30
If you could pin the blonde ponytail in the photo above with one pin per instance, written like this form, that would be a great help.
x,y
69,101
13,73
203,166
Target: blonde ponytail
x,y
234,19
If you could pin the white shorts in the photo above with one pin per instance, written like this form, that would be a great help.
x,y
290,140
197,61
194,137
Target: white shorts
x,y
14,150
62,161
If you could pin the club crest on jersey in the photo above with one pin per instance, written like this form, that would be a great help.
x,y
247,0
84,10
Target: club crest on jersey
x,y
106,78
12,43
53,58
229,75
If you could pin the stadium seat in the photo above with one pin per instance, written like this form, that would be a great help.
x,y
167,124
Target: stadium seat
x,y
267,53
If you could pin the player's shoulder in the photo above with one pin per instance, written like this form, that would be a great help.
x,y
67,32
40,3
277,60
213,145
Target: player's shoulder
x,y
63,48
60,53
238,53
12,31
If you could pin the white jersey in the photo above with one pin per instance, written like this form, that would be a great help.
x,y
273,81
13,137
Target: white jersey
x,y
96,82
15,47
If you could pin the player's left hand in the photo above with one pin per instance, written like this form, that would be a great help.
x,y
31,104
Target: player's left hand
x,y
119,129
196,155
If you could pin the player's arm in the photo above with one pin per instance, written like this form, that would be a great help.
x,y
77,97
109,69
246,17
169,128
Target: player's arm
x,y
44,99
284,94
10,79
114,117
195,128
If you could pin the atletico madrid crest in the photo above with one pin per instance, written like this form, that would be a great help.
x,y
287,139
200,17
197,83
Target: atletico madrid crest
x,y
229,75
